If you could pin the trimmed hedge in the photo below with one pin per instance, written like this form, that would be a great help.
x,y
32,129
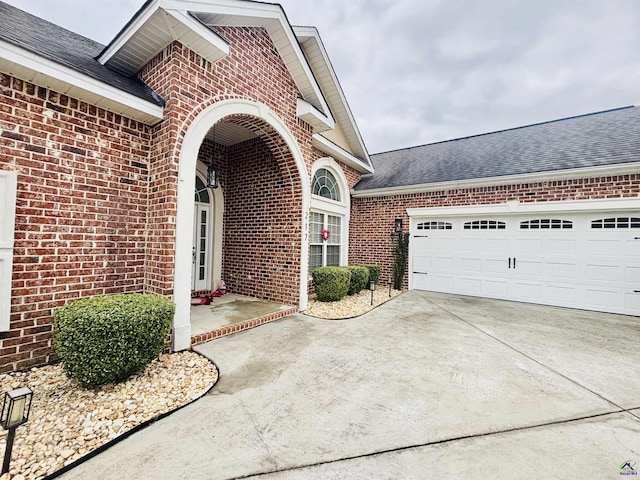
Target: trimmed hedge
x,y
331,283
359,279
107,339
374,272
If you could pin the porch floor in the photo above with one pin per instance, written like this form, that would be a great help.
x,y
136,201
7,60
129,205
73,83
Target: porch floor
x,y
233,313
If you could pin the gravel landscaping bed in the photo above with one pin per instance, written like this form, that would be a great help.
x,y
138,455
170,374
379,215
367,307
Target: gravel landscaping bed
x,y
351,305
68,422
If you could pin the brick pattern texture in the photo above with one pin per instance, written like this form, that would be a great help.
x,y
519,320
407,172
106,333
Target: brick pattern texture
x,y
372,218
96,209
81,209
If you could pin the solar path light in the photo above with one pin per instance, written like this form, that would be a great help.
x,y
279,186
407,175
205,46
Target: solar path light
x,y
15,412
372,287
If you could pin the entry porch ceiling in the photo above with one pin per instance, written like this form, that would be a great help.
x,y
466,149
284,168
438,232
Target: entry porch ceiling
x,y
227,134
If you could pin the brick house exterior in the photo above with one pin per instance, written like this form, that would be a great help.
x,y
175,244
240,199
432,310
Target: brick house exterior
x,y
103,147
105,199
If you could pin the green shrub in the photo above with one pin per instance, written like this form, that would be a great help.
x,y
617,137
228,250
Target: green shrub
x,y
400,257
359,279
106,339
374,272
331,283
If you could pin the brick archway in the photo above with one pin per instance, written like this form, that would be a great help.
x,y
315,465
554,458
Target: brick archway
x,y
276,137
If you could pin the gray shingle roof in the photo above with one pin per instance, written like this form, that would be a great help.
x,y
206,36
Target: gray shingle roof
x,y
66,48
598,139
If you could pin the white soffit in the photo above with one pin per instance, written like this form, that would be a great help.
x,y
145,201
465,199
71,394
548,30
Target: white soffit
x,y
28,66
313,116
320,63
339,153
152,30
147,34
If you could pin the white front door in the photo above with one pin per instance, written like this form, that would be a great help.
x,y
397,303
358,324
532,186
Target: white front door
x,y
588,260
201,253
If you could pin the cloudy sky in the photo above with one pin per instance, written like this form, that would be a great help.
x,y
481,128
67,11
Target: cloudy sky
x,y
421,71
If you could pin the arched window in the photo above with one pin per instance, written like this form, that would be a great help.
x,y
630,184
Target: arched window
x,y
329,216
325,185
202,192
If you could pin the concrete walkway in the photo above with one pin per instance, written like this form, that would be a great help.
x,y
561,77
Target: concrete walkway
x,y
427,386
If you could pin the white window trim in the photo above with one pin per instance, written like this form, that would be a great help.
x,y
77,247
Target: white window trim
x,y
8,193
342,208
327,243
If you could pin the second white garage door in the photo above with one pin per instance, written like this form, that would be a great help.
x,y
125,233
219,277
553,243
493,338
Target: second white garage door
x,y
582,260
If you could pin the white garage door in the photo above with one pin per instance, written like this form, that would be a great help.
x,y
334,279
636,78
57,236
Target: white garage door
x,y
588,261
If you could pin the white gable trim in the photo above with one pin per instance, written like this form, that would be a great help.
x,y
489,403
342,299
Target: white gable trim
x,y
158,26
321,64
8,196
28,66
225,12
339,153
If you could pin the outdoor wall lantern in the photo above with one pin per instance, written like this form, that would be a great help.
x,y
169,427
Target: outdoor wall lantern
x,y
397,225
15,412
372,287
212,176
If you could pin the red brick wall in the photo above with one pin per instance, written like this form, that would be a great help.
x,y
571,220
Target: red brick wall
x,y
189,84
81,209
97,192
372,218
263,209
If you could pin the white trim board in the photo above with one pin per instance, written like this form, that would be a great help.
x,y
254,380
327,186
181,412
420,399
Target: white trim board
x,y
339,153
518,208
8,194
588,172
41,71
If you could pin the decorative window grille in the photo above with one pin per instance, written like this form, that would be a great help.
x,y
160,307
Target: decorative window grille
x,y
434,226
485,225
325,185
616,222
546,223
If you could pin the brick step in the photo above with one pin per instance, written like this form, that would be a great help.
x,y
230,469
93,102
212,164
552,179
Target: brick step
x,y
241,326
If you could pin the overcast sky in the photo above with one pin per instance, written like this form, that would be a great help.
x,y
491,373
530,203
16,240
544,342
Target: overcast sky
x,y
421,71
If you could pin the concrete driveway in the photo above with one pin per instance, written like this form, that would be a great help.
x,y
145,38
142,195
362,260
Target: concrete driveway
x,y
426,386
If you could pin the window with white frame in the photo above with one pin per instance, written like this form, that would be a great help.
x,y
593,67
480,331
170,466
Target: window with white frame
x,y
329,216
326,240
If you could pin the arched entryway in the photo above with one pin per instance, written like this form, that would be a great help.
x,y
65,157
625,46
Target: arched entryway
x,y
262,251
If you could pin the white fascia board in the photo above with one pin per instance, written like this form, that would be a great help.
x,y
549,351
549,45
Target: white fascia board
x,y
339,153
606,170
225,7
312,33
313,116
519,208
193,25
129,31
275,22
90,88
179,29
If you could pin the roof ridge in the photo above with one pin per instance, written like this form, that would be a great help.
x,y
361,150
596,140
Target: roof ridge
x,y
506,129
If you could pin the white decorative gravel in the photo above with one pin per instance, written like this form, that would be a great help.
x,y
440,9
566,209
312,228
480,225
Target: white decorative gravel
x,y
67,421
351,305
